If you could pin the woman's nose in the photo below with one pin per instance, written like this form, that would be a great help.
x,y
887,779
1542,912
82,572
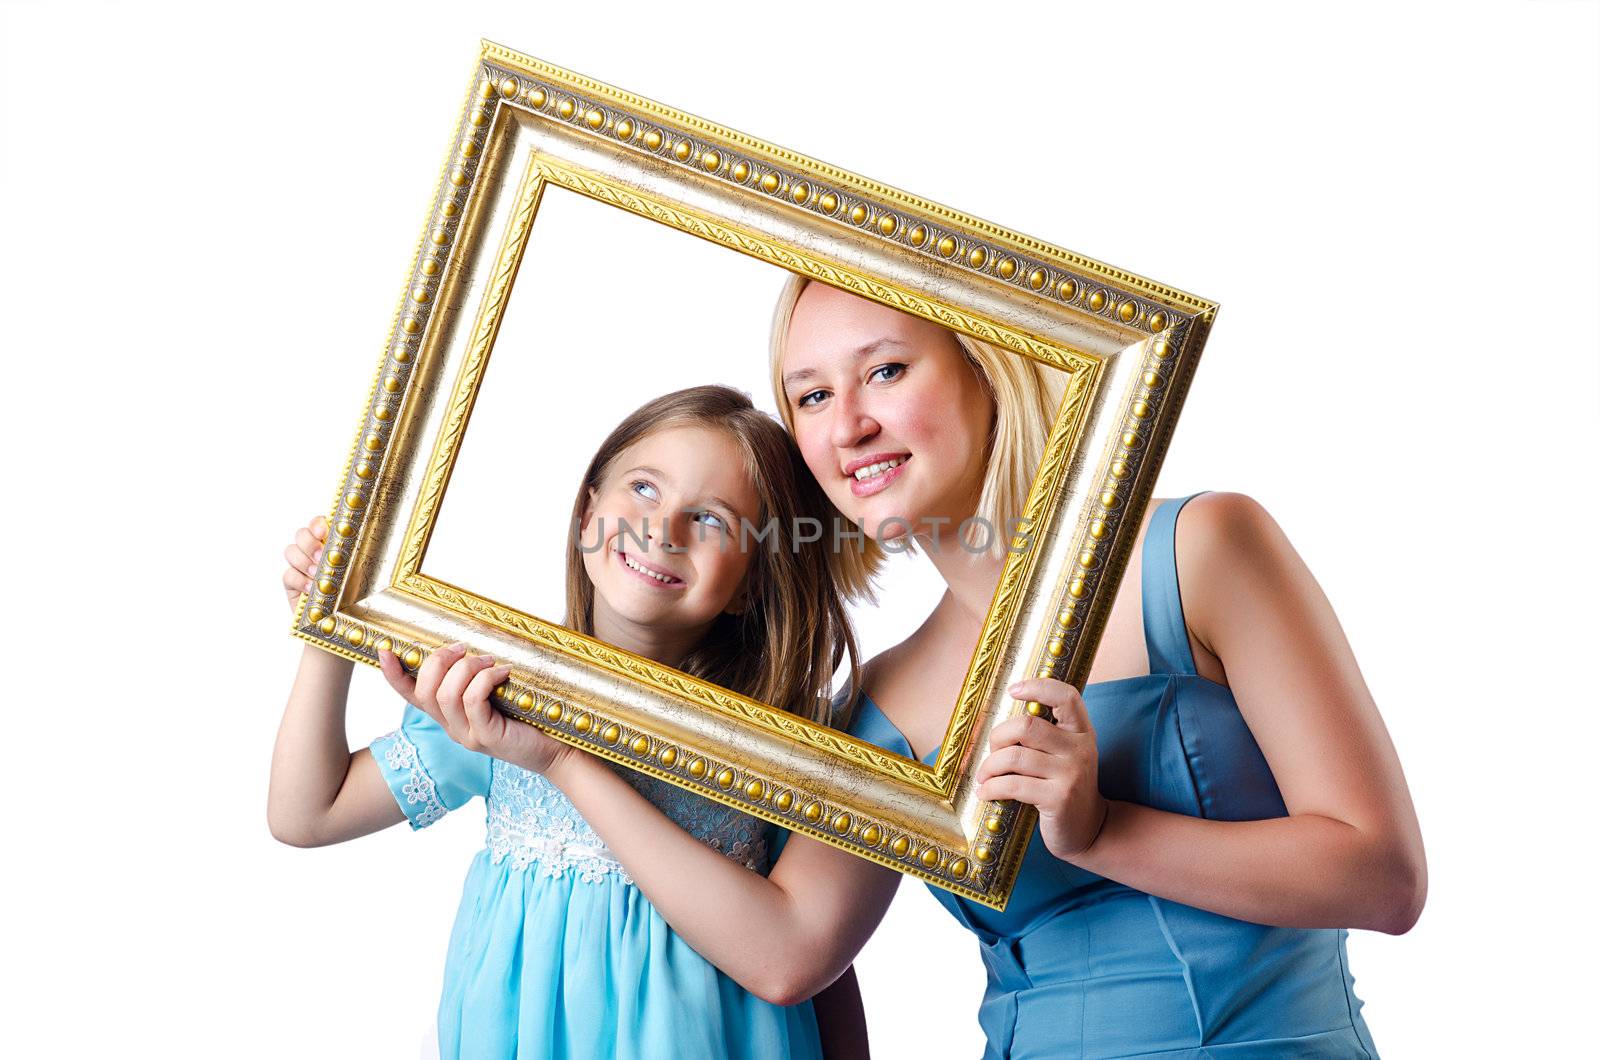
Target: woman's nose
x,y
852,423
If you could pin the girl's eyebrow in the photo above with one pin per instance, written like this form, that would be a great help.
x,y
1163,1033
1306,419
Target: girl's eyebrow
x,y
800,375
663,476
726,507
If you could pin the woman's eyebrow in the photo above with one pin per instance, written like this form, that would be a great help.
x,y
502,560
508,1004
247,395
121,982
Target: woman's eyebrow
x,y
798,376
877,344
802,374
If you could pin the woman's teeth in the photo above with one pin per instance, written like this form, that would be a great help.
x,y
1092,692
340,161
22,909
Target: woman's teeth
x,y
874,470
646,571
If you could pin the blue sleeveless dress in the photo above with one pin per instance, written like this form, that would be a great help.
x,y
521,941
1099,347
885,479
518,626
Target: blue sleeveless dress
x,y
555,952
1082,966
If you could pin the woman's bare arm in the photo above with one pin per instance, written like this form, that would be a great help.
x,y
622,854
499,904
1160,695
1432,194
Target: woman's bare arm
x,y
1350,852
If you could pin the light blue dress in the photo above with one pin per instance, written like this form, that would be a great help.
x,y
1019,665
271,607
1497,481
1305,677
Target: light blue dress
x,y
555,952
1082,966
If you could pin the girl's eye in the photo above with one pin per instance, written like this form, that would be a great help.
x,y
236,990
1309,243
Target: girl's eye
x,y
645,490
805,399
888,372
712,520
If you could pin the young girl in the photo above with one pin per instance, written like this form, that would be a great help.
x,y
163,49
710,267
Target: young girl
x,y
555,952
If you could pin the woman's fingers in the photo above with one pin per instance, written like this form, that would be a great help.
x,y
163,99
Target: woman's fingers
x,y
1021,761
1062,698
1031,790
1028,731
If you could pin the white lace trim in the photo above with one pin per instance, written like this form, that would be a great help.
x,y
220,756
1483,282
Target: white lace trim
x,y
532,825
553,844
419,789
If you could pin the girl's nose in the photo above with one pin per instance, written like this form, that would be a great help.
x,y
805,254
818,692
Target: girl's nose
x,y
667,533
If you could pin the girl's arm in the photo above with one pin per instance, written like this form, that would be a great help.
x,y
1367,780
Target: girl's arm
x,y
784,936
1350,852
319,791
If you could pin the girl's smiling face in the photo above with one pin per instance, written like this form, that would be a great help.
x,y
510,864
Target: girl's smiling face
x,y
661,536
890,415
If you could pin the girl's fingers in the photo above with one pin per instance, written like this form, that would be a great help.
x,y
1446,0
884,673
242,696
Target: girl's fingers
x,y
319,527
299,560
1065,700
434,667
295,582
1021,761
306,541
476,699
396,675
456,680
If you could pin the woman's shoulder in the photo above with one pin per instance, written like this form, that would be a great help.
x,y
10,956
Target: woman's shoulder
x,y
1227,528
883,667
1230,551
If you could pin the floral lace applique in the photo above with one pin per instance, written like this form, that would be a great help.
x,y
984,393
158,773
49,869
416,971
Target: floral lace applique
x,y
532,823
419,789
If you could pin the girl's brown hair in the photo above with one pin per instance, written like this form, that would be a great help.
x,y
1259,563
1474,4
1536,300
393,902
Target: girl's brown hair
x,y
785,644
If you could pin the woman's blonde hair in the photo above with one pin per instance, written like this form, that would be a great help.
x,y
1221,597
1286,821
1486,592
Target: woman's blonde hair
x,y
1026,396
793,632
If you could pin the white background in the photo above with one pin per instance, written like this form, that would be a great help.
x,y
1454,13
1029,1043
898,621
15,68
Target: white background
x,y
210,213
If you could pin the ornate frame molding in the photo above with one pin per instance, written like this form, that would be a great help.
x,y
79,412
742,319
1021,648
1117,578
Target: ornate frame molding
x,y
1129,347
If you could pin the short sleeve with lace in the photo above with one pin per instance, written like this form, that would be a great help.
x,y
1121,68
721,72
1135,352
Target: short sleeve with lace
x,y
428,773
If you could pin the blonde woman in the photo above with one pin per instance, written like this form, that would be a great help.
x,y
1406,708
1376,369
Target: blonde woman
x,y
1218,805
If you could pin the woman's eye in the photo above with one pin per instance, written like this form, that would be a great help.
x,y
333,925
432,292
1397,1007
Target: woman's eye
x,y
888,372
646,490
806,398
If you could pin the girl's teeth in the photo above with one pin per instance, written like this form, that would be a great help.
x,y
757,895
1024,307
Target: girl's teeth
x,y
634,566
873,470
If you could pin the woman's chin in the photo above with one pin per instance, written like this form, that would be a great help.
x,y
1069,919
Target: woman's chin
x,y
885,523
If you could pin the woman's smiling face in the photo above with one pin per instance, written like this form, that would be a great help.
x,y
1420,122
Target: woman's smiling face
x,y
890,415
661,536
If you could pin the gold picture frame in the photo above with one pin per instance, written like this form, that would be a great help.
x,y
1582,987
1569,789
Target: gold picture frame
x,y
1129,347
